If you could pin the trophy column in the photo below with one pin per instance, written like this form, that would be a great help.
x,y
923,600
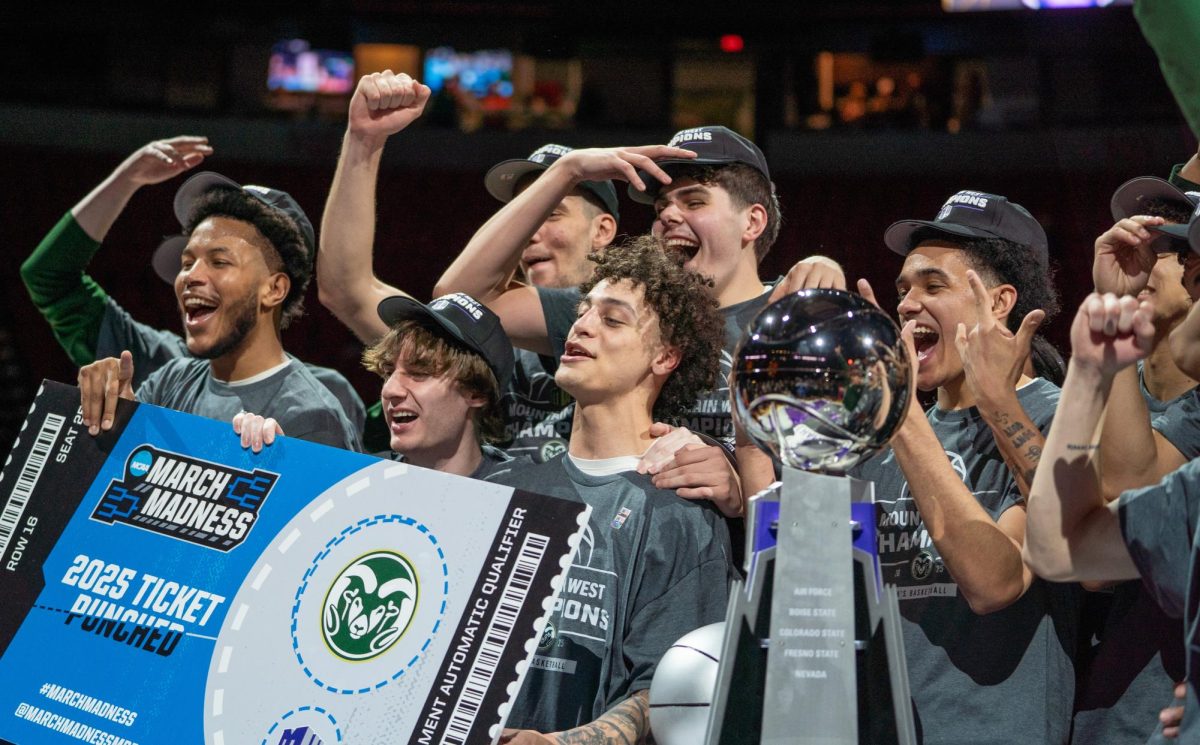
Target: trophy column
x,y
811,688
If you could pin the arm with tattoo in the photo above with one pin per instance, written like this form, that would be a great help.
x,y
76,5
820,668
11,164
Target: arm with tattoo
x,y
1018,439
626,723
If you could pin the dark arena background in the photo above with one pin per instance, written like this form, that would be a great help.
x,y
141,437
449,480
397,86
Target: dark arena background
x,y
868,112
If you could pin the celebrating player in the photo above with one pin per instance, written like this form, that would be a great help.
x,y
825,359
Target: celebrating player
x,y
1075,533
244,266
87,321
1130,674
978,626
651,567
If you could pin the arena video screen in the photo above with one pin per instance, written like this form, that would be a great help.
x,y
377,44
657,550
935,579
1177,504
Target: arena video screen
x,y
298,68
482,73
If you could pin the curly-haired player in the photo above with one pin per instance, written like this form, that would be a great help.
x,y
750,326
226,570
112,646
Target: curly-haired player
x,y
651,566
685,314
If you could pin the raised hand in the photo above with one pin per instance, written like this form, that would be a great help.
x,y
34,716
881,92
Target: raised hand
x,y
601,163
163,159
100,385
385,103
1110,332
1124,256
993,357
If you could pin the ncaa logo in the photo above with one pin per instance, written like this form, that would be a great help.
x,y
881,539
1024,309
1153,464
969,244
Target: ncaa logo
x,y
139,463
369,605
922,565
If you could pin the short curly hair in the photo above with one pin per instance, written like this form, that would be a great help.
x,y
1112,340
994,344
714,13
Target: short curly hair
x,y
431,351
746,186
687,315
291,255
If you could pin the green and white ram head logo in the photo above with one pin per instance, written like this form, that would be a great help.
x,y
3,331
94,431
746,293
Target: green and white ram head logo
x,y
369,606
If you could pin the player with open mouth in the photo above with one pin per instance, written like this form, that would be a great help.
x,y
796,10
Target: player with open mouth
x,y
974,287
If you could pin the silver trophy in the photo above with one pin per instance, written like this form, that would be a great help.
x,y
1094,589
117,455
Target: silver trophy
x,y
813,650
822,380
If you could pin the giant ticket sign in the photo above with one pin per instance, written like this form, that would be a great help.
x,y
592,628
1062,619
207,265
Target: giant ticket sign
x,y
159,584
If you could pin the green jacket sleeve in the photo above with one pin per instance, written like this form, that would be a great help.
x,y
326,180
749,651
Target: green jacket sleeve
x,y
1172,28
1180,182
70,300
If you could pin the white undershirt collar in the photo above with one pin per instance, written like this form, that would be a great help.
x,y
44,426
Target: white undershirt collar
x,y
605,466
256,378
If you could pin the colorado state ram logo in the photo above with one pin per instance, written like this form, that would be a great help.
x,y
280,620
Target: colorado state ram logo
x,y
369,606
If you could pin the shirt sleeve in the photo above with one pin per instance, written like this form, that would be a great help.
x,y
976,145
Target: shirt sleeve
x,y
1180,424
71,301
1158,523
558,307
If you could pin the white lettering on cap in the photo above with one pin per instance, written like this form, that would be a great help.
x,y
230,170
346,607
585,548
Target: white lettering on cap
x,y
1195,197
466,302
698,134
544,152
260,189
970,199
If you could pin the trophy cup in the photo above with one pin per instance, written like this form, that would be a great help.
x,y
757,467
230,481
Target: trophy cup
x,y
813,651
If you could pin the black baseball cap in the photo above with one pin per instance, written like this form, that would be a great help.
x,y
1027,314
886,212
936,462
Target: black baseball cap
x,y
973,214
466,320
167,256
1130,197
713,146
501,180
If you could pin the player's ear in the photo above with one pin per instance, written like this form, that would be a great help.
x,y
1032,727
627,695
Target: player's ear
x,y
1004,299
275,290
604,230
756,223
667,359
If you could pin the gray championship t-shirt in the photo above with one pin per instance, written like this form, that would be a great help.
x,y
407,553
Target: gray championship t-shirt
x,y
1159,526
1180,424
537,412
711,413
1127,673
292,396
1005,677
651,568
152,348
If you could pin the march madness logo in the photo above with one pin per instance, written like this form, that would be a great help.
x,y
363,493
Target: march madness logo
x,y
369,605
186,498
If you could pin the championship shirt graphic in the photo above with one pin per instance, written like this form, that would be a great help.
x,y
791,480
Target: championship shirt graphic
x,y
907,556
163,584
186,498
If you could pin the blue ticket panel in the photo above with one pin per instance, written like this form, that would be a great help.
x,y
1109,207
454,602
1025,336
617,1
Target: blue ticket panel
x,y
161,584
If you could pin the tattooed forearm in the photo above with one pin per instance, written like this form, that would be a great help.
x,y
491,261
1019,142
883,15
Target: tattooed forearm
x,y
627,723
1020,444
